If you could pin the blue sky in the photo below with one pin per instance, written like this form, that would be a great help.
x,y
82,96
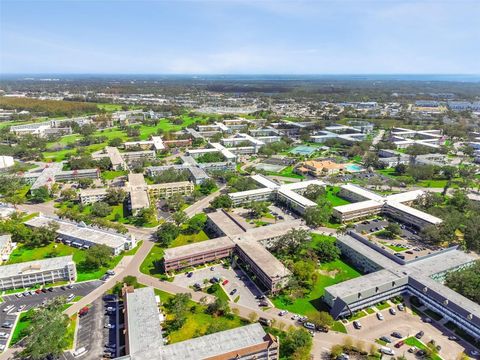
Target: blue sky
x,y
240,37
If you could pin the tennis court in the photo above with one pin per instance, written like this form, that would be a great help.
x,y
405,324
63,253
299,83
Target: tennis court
x,y
269,167
304,150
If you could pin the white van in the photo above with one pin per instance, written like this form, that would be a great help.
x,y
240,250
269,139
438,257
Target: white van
x,y
309,326
387,351
79,352
70,297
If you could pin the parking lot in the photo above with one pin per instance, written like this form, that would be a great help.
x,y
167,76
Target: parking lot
x,y
245,288
408,325
27,302
409,244
6,317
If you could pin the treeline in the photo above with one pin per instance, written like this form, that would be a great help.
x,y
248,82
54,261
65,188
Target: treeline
x,y
48,107
466,282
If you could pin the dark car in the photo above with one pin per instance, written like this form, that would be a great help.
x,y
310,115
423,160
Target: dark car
x,y
260,297
190,274
419,335
50,289
233,291
44,290
399,344
421,353
397,335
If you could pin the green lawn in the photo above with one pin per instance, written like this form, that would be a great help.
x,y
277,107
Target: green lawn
x,y
393,247
217,291
383,306
23,254
184,239
413,341
22,324
357,315
331,274
338,326
110,175
332,196
198,323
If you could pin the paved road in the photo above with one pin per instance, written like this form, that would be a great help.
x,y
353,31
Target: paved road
x,y
90,332
200,205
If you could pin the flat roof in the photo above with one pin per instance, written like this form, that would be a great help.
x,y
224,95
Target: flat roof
x,y
143,322
90,192
47,175
362,192
196,248
269,231
405,196
136,180
169,185
139,199
4,240
82,232
357,206
292,195
114,155
209,346
414,212
225,223
262,180
263,258
302,184
442,261
32,267
247,193
363,283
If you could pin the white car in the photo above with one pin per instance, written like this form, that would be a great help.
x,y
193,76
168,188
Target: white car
x,y
283,312
379,316
2,347
3,335
392,311
110,326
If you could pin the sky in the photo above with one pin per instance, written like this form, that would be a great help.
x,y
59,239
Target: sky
x,y
240,37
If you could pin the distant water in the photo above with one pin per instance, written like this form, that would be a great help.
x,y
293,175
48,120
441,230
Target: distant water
x,y
250,77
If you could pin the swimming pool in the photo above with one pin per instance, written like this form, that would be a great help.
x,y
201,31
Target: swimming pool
x,y
354,167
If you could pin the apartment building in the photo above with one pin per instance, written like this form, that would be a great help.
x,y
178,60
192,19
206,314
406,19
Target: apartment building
x,y
143,336
47,271
90,196
166,190
386,278
367,203
6,247
82,236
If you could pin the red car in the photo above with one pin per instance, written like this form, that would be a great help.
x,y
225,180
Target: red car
x,y
399,344
38,291
83,311
225,282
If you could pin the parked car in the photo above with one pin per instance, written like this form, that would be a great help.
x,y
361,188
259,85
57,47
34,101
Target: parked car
x,y
309,326
397,335
233,292
399,344
386,339
379,316
83,311
264,321
260,297
421,353
427,320
109,326
453,338
225,282
3,335
282,313
357,324
110,272
392,311
387,351
190,274
263,303
419,335
412,349
474,353
197,286
38,291
7,325
400,307
51,289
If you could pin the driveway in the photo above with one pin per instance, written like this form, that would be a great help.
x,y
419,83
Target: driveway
x,y
246,289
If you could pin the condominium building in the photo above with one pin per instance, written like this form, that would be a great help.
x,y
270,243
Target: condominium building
x,y
166,190
83,236
366,203
6,247
90,196
138,195
388,277
144,341
47,271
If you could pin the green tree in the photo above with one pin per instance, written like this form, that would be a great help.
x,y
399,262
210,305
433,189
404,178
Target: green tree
x,y
257,208
179,217
166,233
197,223
175,202
327,250
68,194
101,209
145,216
321,318
46,333
40,195
115,196
207,186
297,344
218,307
97,256
314,192
318,215
222,202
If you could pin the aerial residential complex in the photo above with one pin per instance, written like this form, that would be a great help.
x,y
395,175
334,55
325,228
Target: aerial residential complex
x,y
144,340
